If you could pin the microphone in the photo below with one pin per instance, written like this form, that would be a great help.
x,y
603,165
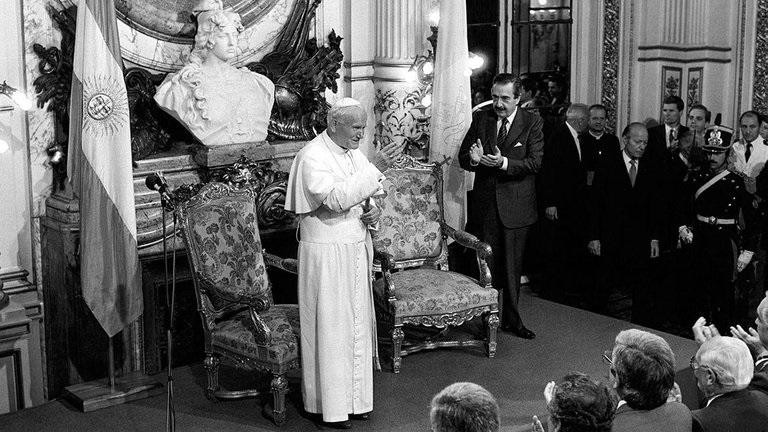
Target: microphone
x,y
156,182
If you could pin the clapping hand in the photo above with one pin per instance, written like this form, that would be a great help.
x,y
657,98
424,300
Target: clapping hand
x,y
386,155
494,160
703,332
537,426
476,152
751,338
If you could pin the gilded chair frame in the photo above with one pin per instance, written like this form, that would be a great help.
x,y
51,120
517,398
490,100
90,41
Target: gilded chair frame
x,y
386,264
210,314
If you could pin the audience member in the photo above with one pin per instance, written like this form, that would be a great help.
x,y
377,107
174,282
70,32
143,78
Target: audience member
x,y
504,148
605,143
577,404
663,138
723,369
698,121
567,171
713,203
464,407
756,338
624,221
643,366
764,127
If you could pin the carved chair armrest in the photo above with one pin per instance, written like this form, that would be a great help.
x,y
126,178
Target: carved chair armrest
x,y
385,261
261,333
289,265
482,249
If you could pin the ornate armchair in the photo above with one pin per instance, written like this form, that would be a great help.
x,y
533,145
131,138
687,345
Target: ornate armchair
x,y
417,289
234,297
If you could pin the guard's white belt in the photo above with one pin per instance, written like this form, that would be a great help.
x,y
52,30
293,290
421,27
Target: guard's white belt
x,y
715,221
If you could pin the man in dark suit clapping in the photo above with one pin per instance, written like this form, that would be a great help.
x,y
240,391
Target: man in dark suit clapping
x,y
625,220
504,148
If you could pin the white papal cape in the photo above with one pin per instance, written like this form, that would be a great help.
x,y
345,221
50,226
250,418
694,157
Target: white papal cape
x,y
326,188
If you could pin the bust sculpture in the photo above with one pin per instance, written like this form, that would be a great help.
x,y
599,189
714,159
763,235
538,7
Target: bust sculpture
x,y
219,103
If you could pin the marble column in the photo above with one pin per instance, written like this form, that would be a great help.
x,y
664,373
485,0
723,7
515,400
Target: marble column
x,y
401,30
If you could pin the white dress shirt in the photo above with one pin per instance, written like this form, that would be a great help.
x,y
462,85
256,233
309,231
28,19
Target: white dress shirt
x,y
510,119
757,158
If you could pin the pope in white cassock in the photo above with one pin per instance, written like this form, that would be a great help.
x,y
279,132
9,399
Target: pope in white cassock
x,y
329,188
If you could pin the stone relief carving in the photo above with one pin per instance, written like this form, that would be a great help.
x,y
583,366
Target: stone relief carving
x,y
760,88
611,58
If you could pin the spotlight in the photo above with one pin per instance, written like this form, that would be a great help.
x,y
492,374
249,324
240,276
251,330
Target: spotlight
x,y
18,97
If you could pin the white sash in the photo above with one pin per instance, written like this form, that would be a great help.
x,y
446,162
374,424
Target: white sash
x,y
711,181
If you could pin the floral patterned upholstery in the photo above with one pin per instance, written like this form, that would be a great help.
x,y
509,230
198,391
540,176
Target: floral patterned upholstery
x,y
416,288
428,291
409,227
229,257
235,335
234,297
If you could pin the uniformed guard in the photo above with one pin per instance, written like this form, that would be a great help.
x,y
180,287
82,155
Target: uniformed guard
x,y
720,221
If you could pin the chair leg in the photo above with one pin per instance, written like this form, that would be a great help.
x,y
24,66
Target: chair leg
x,y
493,326
397,342
211,364
279,386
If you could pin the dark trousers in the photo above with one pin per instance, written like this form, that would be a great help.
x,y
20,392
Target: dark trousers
x,y
623,272
508,246
715,254
567,276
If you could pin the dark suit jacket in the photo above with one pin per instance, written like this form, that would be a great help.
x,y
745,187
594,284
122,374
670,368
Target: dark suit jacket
x,y
740,411
657,141
608,144
669,417
513,191
675,171
624,218
564,177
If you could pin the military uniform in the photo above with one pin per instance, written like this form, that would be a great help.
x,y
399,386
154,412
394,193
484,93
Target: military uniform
x,y
724,223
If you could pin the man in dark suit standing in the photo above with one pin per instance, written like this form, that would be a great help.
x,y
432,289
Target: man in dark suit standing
x,y
567,171
604,143
624,222
662,139
504,148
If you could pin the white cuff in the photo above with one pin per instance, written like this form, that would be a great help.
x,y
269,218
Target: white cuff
x,y
504,163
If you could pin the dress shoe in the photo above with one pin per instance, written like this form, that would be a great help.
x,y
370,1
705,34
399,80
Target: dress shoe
x,y
525,333
520,332
363,416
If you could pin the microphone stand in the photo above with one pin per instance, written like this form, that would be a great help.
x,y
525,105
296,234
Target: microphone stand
x,y
170,302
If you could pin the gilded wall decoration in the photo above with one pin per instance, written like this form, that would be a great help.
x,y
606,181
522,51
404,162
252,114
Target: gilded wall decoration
x,y
760,80
695,86
400,118
611,18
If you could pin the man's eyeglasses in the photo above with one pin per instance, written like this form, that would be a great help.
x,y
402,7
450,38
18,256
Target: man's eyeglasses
x,y
608,357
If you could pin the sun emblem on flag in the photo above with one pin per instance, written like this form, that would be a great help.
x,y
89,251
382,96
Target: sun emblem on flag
x,y
105,106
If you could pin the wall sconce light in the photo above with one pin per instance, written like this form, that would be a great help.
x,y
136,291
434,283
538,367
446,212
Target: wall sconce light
x,y
24,102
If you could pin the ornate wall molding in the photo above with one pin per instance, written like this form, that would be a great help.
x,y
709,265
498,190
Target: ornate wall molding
x,y
760,88
611,32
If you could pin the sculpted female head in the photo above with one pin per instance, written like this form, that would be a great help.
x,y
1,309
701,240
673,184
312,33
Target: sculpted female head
x,y
217,33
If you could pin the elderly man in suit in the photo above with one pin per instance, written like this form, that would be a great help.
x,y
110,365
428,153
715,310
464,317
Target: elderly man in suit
x,y
643,366
504,148
627,195
723,369
566,173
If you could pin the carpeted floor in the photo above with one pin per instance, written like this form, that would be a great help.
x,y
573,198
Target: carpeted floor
x,y
568,339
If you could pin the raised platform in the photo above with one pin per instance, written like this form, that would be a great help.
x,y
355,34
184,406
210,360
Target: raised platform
x,y
568,339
